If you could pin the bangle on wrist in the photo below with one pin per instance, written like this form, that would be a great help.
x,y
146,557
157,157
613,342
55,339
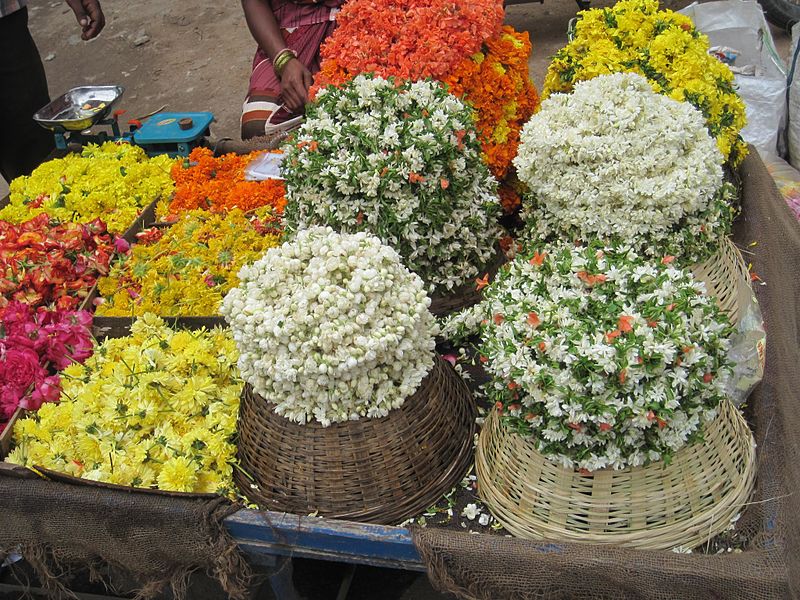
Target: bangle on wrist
x,y
283,58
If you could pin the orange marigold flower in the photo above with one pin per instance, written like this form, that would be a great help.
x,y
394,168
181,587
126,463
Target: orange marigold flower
x,y
218,184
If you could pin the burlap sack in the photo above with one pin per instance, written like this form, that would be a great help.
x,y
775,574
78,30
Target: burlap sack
x,y
157,540
491,568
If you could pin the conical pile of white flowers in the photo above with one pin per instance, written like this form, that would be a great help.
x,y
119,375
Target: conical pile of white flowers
x,y
617,162
605,358
331,327
402,161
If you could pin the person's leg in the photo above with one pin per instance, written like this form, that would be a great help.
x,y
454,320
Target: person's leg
x,y
263,104
263,111
23,91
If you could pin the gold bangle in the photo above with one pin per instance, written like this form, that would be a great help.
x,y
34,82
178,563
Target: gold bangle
x,y
282,59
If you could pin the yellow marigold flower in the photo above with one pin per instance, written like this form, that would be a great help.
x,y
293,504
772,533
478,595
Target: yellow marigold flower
x,y
663,46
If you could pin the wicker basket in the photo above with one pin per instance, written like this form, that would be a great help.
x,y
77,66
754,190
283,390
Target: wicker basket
x,y
656,507
467,295
372,470
727,278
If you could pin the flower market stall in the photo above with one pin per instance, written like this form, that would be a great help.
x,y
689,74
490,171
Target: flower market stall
x,y
516,344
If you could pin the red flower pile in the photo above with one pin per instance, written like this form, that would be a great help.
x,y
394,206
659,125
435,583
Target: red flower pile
x,y
46,263
34,345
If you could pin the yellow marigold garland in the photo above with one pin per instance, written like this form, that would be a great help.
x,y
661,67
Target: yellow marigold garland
x,y
114,182
665,47
156,409
189,269
495,81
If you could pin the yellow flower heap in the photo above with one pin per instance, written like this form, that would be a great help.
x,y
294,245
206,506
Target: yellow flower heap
x,y
113,182
664,47
191,268
156,409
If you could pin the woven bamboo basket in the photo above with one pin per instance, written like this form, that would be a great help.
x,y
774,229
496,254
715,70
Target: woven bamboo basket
x,y
656,507
380,470
727,279
467,295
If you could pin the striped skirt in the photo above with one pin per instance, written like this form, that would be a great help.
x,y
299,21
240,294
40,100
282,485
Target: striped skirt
x,y
264,112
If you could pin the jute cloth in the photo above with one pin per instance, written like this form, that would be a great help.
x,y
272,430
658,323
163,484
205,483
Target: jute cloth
x,y
156,540
494,568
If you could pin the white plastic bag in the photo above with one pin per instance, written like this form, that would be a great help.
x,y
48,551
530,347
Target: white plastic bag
x,y
264,166
794,100
740,24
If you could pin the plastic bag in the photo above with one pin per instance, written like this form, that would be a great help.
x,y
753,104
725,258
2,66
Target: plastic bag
x,y
793,130
264,166
747,353
740,25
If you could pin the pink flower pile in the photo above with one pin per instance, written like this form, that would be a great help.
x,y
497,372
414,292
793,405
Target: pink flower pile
x,y
35,344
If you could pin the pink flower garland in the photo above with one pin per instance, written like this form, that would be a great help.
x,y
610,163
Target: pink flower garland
x,y
34,346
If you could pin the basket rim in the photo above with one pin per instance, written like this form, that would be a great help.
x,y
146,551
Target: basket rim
x,y
693,529
387,507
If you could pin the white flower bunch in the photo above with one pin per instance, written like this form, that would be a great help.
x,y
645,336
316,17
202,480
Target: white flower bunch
x,y
331,327
607,359
401,161
616,161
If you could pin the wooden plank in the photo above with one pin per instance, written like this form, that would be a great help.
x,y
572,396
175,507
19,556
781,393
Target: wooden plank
x,y
5,437
145,220
266,532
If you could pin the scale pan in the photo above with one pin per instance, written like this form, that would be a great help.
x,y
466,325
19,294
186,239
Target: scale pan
x,y
79,108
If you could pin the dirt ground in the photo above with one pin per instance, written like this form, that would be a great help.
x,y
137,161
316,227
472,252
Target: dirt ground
x,y
196,54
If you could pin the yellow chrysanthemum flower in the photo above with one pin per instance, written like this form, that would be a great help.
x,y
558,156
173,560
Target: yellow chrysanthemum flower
x,y
191,268
113,182
663,46
155,409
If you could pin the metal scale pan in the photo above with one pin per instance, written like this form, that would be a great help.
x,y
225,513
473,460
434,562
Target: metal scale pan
x,y
79,108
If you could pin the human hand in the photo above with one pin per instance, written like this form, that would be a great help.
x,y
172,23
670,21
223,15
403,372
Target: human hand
x,y
90,17
295,81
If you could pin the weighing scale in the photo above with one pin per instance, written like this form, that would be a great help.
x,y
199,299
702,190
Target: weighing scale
x,y
72,114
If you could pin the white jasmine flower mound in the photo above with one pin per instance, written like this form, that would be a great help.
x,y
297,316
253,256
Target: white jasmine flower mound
x,y
616,161
606,359
331,327
403,162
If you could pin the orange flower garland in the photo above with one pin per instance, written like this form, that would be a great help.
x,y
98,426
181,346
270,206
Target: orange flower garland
x,y
407,39
218,185
496,82
485,65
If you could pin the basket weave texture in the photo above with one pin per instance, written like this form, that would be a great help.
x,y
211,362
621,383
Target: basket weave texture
x,y
656,507
727,278
467,295
380,470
